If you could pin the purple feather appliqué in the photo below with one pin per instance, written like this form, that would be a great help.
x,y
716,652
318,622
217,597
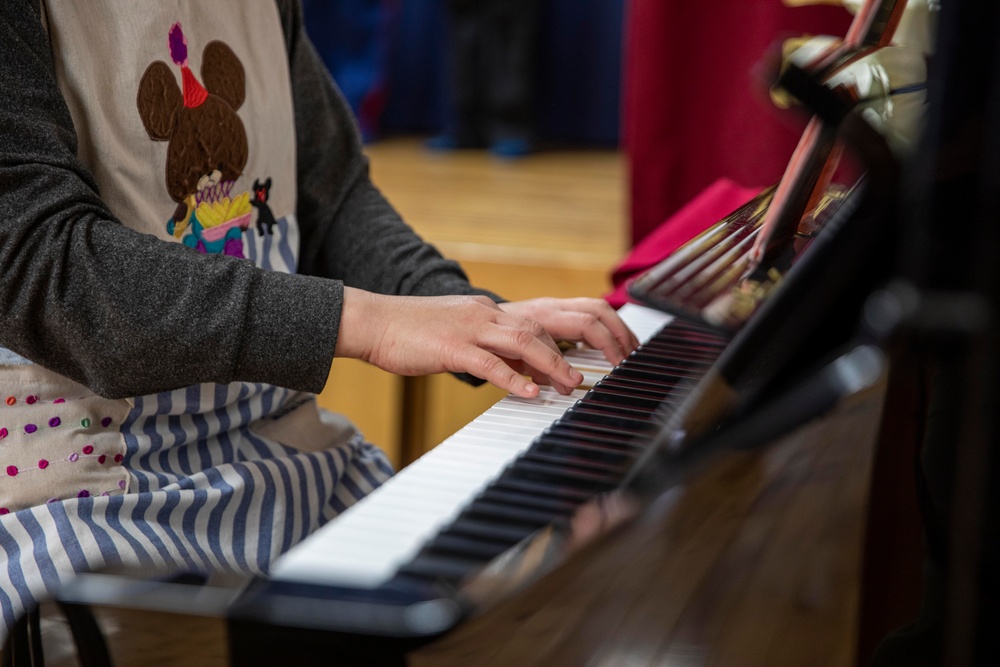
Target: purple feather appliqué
x,y
178,45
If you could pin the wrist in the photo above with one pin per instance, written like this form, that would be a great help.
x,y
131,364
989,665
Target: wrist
x,y
355,338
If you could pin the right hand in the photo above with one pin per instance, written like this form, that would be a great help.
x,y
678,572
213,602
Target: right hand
x,y
411,335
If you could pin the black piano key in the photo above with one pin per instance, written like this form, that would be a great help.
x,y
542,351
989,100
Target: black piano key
x,y
440,567
600,429
499,512
582,433
578,450
646,385
491,530
597,409
466,547
634,411
581,413
650,376
530,500
569,459
563,475
668,365
611,396
519,484
680,349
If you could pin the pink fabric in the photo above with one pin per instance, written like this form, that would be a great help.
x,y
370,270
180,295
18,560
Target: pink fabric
x,y
693,112
714,203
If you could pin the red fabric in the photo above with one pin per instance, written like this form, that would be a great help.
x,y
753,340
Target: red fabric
x,y
693,112
714,203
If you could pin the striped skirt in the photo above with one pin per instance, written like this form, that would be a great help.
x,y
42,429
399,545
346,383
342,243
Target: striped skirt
x,y
207,492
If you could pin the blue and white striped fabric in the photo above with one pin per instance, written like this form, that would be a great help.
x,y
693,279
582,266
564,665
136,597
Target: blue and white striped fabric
x,y
235,515
206,492
277,251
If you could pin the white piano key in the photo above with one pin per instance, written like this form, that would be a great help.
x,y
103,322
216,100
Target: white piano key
x,y
365,545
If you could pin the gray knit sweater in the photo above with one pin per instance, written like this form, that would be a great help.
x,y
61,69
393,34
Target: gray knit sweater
x,y
85,296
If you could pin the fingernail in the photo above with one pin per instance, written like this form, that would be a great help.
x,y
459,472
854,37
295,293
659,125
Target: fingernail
x,y
576,375
531,388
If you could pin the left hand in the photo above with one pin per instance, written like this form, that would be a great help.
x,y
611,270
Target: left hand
x,y
590,321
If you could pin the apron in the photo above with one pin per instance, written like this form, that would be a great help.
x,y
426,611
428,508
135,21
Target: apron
x,y
184,116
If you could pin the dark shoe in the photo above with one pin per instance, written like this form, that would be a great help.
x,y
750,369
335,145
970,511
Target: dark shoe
x,y
511,148
442,142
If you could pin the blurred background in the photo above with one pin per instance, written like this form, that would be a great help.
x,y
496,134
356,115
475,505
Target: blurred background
x,y
391,59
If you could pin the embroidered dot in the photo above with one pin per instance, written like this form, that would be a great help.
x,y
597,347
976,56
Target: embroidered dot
x,y
31,400
4,510
55,421
11,400
118,458
105,494
106,422
30,428
101,459
73,458
121,484
59,400
12,471
89,449
52,500
43,464
3,433
83,494
85,423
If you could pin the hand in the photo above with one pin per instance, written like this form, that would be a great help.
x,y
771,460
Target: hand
x,y
457,334
590,321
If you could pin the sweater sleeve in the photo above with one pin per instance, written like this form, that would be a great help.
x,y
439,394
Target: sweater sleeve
x,y
119,311
349,230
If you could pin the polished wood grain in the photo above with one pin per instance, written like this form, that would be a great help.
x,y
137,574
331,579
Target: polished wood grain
x,y
755,561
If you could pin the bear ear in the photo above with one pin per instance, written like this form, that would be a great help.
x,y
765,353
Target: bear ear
x,y
223,74
159,99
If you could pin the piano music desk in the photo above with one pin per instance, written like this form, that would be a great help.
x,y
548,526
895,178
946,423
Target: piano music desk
x,y
551,224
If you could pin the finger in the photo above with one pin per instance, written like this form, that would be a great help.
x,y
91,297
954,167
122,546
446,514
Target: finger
x,y
610,319
538,377
535,328
538,352
497,371
587,327
542,375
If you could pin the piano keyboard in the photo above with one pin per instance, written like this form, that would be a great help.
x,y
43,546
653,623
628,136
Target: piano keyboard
x,y
520,465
